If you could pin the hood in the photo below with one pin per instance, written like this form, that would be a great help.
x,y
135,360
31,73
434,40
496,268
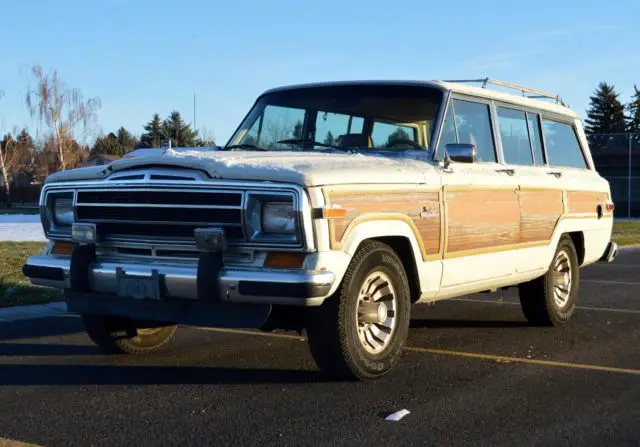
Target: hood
x,y
302,168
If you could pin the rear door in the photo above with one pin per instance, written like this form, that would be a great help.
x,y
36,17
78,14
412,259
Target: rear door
x,y
540,194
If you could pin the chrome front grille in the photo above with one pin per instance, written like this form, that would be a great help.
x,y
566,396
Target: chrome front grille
x,y
160,213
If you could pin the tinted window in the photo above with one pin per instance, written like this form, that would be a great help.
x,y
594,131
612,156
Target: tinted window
x,y
473,124
562,145
536,138
514,133
384,135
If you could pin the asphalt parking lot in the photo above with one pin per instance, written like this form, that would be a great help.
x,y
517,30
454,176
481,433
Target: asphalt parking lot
x,y
473,373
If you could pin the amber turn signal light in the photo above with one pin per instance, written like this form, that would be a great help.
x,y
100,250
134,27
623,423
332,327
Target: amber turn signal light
x,y
62,248
284,259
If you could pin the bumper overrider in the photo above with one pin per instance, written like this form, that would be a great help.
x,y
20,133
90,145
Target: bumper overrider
x,y
207,293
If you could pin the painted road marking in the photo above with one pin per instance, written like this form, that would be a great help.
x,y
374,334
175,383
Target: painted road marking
x,y
506,359
603,309
497,358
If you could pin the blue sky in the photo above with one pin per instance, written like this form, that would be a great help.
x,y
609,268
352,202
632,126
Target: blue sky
x,y
140,57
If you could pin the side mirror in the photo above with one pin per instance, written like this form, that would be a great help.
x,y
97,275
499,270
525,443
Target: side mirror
x,y
462,152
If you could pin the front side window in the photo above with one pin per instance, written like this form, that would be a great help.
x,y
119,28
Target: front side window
x,y
473,125
563,148
514,133
349,117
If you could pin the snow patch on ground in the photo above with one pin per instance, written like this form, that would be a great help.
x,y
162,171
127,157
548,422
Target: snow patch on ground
x,y
21,228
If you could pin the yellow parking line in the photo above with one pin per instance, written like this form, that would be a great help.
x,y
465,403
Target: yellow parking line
x,y
498,358
604,309
505,359
11,443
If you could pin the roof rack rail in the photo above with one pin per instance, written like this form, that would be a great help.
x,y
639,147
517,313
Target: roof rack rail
x,y
526,91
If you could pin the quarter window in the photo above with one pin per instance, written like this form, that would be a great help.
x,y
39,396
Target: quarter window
x,y
473,125
514,133
562,145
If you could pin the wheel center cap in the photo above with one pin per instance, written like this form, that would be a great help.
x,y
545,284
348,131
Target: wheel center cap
x,y
382,313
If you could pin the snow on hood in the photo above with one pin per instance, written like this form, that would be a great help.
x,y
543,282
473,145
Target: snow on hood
x,y
303,168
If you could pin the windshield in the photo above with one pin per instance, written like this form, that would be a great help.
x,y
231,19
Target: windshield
x,y
345,117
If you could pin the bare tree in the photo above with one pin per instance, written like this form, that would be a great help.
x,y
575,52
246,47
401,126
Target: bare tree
x,y
5,174
61,109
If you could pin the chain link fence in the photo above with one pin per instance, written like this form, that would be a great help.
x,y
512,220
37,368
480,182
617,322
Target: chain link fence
x,y
617,158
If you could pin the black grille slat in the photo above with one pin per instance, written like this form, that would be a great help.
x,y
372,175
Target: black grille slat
x,y
115,230
161,198
145,214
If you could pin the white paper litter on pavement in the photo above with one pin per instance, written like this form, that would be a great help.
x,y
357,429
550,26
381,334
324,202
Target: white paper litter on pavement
x,y
397,415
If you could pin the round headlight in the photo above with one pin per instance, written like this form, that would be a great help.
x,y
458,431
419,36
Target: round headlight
x,y
63,210
278,217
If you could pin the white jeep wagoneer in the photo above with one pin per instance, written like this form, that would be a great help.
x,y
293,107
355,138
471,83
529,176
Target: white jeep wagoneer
x,y
332,209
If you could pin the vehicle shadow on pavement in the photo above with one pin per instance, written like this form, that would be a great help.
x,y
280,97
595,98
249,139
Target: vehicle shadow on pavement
x,y
445,323
53,349
40,327
29,375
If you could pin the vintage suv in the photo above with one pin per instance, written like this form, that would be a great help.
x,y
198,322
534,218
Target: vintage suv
x,y
333,208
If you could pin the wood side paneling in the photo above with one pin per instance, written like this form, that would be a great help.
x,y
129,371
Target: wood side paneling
x,y
422,208
586,202
539,214
481,219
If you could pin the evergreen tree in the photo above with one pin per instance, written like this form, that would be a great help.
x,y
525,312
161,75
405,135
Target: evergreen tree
x,y
179,132
107,145
126,140
634,112
606,112
329,138
153,135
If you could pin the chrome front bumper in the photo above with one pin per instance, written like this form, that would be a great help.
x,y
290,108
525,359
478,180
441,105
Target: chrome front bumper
x,y
179,281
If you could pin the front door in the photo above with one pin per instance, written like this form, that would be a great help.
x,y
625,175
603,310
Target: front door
x,y
482,215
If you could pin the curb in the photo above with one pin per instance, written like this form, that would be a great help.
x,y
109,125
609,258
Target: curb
x,y
34,311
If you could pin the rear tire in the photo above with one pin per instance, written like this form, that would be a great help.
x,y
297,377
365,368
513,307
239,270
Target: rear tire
x,y
359,332
121,335
551,299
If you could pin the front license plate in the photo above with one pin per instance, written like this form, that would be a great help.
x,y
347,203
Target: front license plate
x,y
138,287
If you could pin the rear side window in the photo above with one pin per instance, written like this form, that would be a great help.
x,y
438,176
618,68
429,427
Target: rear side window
x,y
473,125
514,133
562,145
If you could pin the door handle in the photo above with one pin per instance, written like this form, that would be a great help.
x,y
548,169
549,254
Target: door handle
x,y
556,174
507,171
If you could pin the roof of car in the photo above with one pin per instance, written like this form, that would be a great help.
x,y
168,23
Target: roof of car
x,y
456,87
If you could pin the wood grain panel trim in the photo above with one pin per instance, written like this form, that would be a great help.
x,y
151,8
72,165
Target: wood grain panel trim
x,y
420,208
539,214
586,202
480,219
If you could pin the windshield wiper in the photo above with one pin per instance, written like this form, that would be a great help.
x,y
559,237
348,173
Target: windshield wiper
x,y
245,146
315,143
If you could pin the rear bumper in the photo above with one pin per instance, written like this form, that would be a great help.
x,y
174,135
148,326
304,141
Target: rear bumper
x,y
179,281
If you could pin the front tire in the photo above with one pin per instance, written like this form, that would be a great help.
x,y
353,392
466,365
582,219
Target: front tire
x,y
551,299
359,333
121,335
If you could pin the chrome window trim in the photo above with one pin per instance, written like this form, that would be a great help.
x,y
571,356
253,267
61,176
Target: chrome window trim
x,y
301,199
